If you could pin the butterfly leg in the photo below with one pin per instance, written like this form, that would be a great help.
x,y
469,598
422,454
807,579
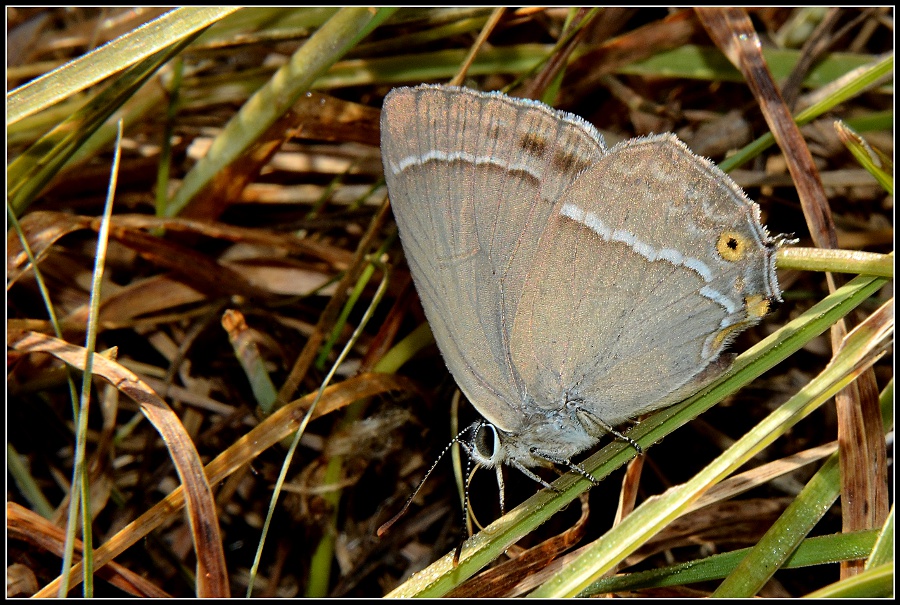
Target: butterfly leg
x,y
526,471
589,418
564,462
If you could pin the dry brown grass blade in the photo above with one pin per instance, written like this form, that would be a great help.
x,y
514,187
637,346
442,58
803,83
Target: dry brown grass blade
x,y
330,314
202,272
339,257
521,574
760,475
733,523
812,50
863,455
310,115
390,327
23,524
135,305
590,69
276,427
864,487
151,296
536,87
630,486
212,573
190,281
492,22
733,33
327,118
41,229
864,478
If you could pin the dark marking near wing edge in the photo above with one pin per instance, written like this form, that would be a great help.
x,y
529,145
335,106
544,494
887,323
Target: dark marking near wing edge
x,y
533,144
570,163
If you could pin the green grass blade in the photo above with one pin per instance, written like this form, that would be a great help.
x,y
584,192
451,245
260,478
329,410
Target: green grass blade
x,y
484,547
137,45
321,51
658,512
812,551
30,172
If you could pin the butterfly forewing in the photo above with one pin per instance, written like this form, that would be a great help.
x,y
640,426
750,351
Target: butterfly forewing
x,y
473,180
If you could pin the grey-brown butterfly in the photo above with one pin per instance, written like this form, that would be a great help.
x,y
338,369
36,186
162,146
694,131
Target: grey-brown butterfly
x,y
570,287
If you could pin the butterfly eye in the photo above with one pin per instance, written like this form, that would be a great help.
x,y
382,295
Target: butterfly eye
x,y
486,447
